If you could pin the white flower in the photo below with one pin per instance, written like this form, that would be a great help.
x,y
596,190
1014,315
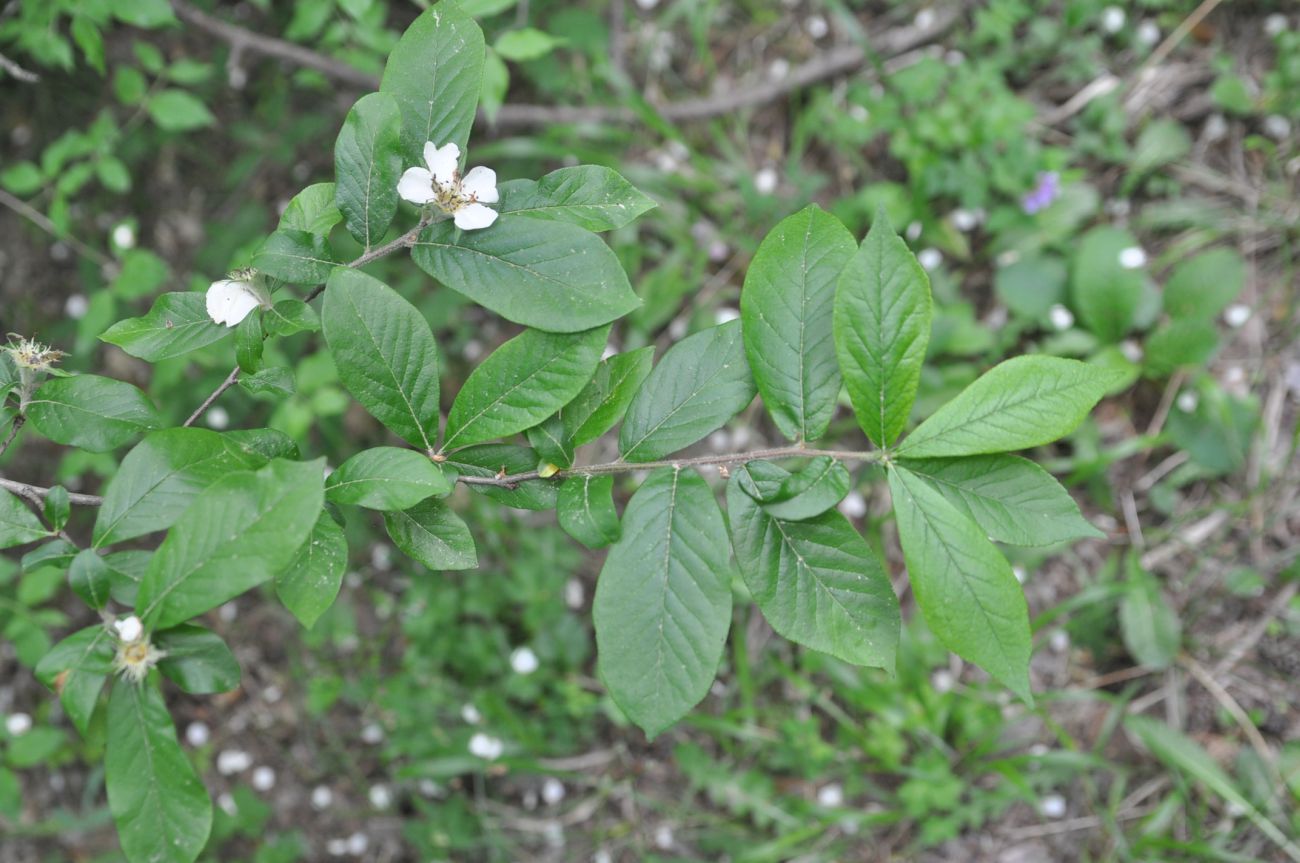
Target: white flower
x,y
1187,401
18,724
263,778
1275,24
1131,350
76,306
1112,19
197,734
1059,640
124,236
227,803
942,680
1277,127
336,847
725,314
765,181
135,654
129,628
816,26
574,593
854,504
930,259
924,19
1216,128
380,796
231,761
470,714
1052,806
372,733
442,185
217,418
552,791
1148,32
913,231
231,300
831,795
523,660
1236,314
358,843
1132,258
963,220
1061,317
321,797
485,747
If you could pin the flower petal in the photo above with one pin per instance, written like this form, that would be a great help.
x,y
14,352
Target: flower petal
x,y
443,161
481,183
219,297
229,302
473,216
416,186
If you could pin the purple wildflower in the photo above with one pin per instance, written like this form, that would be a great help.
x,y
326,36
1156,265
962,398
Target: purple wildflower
x,y
1049,186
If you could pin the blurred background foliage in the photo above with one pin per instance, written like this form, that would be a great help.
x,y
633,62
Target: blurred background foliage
x,y
1110,182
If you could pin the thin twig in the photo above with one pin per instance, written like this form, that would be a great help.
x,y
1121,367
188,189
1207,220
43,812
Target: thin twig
x,y
18,71
230,381
27,490
14,428
36,217
1228,703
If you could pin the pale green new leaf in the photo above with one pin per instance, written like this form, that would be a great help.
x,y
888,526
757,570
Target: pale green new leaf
x,y
963,584
313,210
585,510
787,307
522,383
701,383
161,808
1012,499
311,581
385,354
1020,403
368,163
386,478
541,274
91,412
433,535
882,328
177,324
816,581
663,601
1106,294
590,196
1151,630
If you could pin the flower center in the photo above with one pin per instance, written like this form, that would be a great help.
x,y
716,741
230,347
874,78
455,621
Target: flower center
x,y
450,196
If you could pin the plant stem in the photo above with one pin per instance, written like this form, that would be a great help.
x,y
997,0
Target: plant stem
x,y
230,381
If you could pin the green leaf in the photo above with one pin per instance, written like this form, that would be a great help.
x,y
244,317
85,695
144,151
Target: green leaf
x,y
90,578
311,581
177,324
178,111
1202,286
546,275
589,196
57,553
162,811
313,210
603,401
523,382
290,316
1180,343
882,328
550,441
126,570
161,477
1151,629
496,82
18,524
701,383
249,339
435,73
385,354
787,307
1012,499
816,581
820,485
1161,142
295,256
526,43
433,535
386,478
76,668
91,412
197,660
493,459
964,586
1020,403
276,380
368,162
663,601
243,530
58,507
586,510
1106,295
1031,285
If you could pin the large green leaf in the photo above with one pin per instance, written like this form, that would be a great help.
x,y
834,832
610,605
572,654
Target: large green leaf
x,y
177,324
585,510
820,485
1107,295
77,668
385,354
1020,403
963,584
1151,629
701,383
1012,499
523,382
817,581
432,534
541,274
197,660
590,196
1201,286
313,210
18,524
663,600
435,73
882,328
368,162
787,306
311,581
604,400
90,412
161,476
504,459
386,478
295,256
162,811
90,578
239,533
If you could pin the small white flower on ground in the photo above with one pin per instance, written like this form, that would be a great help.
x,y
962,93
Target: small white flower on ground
x,y
380,796
677,329
779,69
1277,127
963,220
1038,750
124,236
831,795
816,26
18,724
574,593
726,314
381,557
336,847
602,856
441,184
1236,314
358,843
1059,640
217,418
552,791
486,747
470,714
263,778
429,788
1061,317
1216,128
272,694
1052,806
129,628
647,5
930,259
1131,350
1132,258
765,180
924,19
231,300
1148,32
1275,24
523,660
228,612
859,113
718,251
1007,258
321,797
1112,19
854,505
227,804
232,761
664,837
913,231
76,306
942,681
372,733
197,734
